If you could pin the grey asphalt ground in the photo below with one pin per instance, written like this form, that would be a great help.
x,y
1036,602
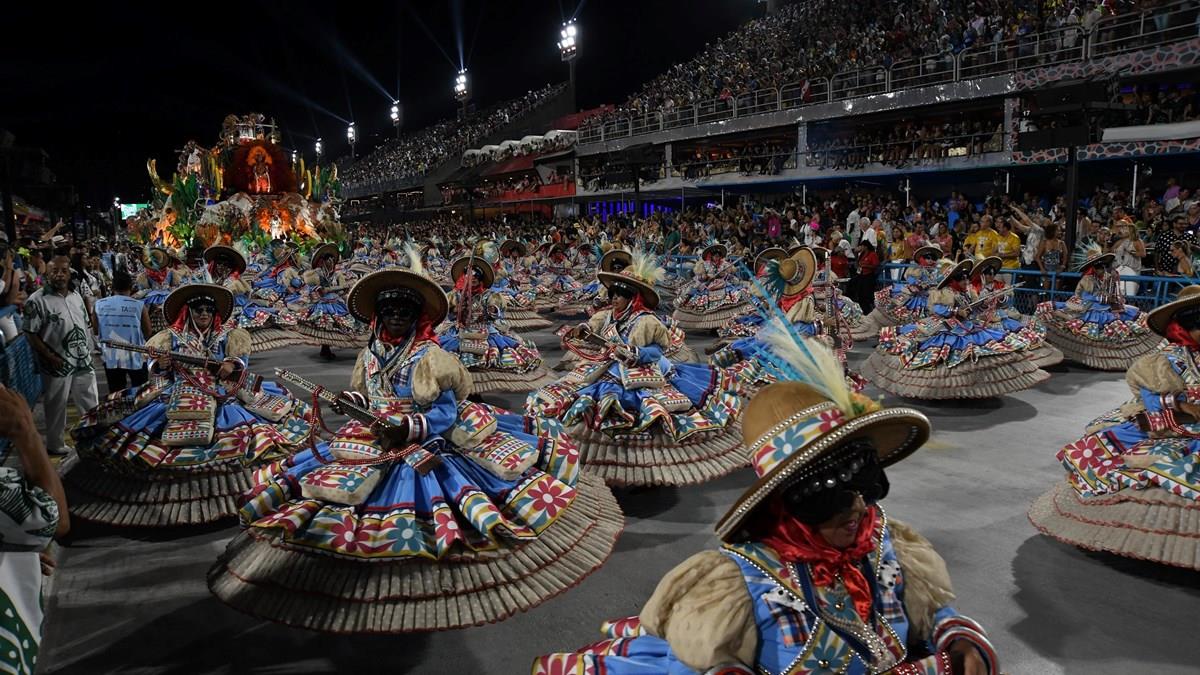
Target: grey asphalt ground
x,y
136,602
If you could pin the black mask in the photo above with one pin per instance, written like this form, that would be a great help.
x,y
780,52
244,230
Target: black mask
x,y
816,498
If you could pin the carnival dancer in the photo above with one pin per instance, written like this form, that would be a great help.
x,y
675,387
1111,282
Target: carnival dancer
x,y
1095,327
325,321
904,301
497,359
788,285
747,323
615,261
1133,483
588,296
843,317
178,450
513,281
812,575
640,418
268,330
714,296
278,283
558,281
436,513
156,282
436,265
1000,313
950,353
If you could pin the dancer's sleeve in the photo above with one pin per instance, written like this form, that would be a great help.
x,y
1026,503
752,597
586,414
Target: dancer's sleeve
x,y
703,610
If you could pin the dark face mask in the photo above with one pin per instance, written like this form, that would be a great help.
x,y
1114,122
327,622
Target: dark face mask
x,y
868,480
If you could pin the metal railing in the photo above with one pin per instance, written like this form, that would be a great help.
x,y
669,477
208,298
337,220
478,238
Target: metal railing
x,y
1111,35
1148,291
903,151
1138,30
923,71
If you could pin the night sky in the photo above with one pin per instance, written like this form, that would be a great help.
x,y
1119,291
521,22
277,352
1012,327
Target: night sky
x,y
117,83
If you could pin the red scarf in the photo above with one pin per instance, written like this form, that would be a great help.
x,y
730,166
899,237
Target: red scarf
x,y
796,542
635,305
1179,336
157,276
788,301
423,332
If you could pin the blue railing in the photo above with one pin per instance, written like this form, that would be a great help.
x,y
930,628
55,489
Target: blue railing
x,y
1147,293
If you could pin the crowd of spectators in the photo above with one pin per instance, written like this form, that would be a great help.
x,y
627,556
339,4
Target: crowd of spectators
x,y
907,143
556,141
819,38
413,155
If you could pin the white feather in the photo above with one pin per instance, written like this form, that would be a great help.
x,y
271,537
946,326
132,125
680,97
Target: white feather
x,y
645,266
819,367
416,265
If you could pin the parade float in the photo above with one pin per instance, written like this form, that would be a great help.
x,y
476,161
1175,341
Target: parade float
x,y
244,191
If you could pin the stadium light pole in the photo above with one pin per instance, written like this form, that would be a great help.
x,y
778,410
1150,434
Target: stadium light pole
x,y
352,136
568,49
395,115
462,90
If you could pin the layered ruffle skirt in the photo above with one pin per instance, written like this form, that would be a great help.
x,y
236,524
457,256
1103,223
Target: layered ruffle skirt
x,y
455,547
684,433
1150,511
127,476
1099,339
506,363
935,359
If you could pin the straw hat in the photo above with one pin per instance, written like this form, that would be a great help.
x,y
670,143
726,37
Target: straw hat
x,y
641,273
718,249
820,253
990,265
1101,259
790,427
1159,318
364,295
794,273
325,249
963,266
928,250
772,253
611,259
484,267
181,296
510,244
235,256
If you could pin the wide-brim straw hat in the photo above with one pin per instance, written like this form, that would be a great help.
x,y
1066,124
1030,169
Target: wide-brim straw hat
x,y
510,244
928,249
820,253
772,253
484,267
213,252
798,270
363,295
609,260
324,250
1160,317
1103,258
180,297
649,295
990,265
962,266
719,249
557,248
789,427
